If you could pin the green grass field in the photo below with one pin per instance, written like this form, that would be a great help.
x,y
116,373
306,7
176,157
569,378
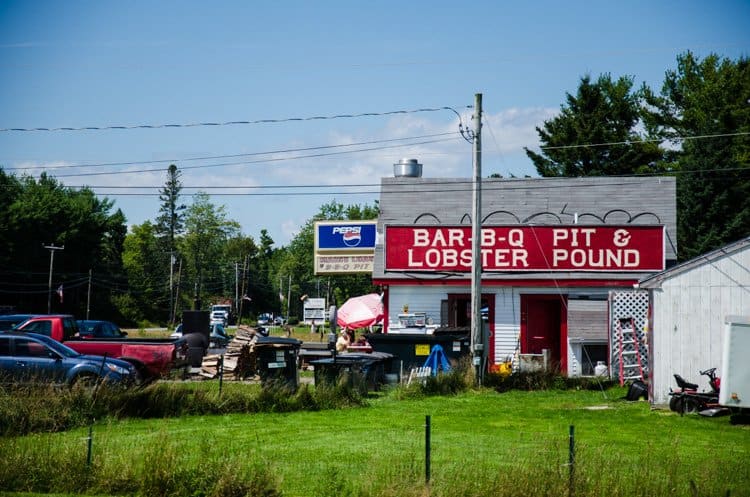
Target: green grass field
x,y
482,443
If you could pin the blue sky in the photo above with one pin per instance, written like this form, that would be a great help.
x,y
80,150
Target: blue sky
x,y
101,64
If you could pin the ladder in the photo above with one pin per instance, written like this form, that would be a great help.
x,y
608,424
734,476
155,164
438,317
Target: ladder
x,y
629,350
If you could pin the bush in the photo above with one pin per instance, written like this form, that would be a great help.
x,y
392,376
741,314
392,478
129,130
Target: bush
x,y
543,380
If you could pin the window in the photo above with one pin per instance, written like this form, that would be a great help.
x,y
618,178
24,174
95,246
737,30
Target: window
x,y
70,328
41,327
30,348
4,346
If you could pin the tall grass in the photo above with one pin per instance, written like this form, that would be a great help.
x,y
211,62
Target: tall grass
x,y
31,409
163,466
300,443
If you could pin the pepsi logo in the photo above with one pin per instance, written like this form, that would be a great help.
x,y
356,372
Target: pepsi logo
x,y
352,238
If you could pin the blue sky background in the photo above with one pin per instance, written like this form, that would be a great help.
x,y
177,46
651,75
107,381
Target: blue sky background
x,y
101,63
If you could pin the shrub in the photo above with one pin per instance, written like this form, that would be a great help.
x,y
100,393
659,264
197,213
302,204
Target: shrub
x,y
543,380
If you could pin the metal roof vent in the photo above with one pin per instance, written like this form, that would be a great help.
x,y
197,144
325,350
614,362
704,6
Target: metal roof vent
x,y
407,168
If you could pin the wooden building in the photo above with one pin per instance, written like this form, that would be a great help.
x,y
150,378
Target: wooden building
x,y
689,306
553,249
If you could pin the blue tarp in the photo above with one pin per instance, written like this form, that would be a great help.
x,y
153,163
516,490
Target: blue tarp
x,y
436,360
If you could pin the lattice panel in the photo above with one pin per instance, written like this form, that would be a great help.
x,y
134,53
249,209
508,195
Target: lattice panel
x,y
628,304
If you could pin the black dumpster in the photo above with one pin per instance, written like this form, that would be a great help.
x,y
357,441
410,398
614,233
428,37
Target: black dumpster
x,y
276,360
363,371
410,350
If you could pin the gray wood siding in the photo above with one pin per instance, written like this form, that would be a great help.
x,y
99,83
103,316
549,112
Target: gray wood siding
x,y
440,201
689,313
587,319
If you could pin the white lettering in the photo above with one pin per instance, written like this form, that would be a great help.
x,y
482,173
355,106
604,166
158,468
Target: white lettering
x,y
632,258
450,257
519,258
456,237
488,238
559,235
588,232
558,256
421,238
432,258
411,262
515,238
466,257
501,258
577,257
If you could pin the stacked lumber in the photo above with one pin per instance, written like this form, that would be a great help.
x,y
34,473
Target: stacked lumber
x,y
238,359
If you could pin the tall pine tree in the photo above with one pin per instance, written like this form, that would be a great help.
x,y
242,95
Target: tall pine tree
x,y
596,134
704,109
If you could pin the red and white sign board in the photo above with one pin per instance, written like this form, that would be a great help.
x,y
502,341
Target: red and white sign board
x,y
526,248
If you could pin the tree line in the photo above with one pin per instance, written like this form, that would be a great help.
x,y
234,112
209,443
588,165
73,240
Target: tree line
x,y
696,127
188,257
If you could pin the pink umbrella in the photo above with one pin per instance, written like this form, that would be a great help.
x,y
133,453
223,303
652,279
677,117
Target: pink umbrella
x,y
358,312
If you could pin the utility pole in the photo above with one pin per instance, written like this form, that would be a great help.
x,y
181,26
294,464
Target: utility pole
x,y
289,299
51,249
236,286
88,297
477,332
171,285
177,292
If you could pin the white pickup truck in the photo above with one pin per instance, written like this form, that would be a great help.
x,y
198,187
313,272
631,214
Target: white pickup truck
x,y
220,313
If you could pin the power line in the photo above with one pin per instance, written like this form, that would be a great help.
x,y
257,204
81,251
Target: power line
x,y
649,140
230,156
235,123
466,186
261,161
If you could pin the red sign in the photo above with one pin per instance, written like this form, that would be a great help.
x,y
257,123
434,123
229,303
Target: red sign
x,y
526,248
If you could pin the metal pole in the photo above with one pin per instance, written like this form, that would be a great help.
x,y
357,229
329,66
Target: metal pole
x,y
477,345
88,297
571,460
51,249
427,449
171,285
289,299
89,444
221,373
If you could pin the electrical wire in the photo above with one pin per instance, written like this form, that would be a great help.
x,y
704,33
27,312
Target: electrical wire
x,y
650,140
232,156
234,123
465,186
259,161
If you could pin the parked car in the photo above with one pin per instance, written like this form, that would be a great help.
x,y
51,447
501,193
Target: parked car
x,y
10,321
279,321
99,329
33,358
153,357
264,319
217,335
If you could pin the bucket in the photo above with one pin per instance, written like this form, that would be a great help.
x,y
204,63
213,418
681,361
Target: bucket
x,y
390,379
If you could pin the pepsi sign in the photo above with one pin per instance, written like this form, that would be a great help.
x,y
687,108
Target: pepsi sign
x,y
345,235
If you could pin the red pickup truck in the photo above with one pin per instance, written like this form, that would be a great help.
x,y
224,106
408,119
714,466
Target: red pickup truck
x,y
153,357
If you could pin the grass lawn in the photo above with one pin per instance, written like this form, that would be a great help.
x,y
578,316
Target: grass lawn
x,y
482,443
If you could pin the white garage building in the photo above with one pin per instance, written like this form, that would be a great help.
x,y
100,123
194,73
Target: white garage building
x,y
689,305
